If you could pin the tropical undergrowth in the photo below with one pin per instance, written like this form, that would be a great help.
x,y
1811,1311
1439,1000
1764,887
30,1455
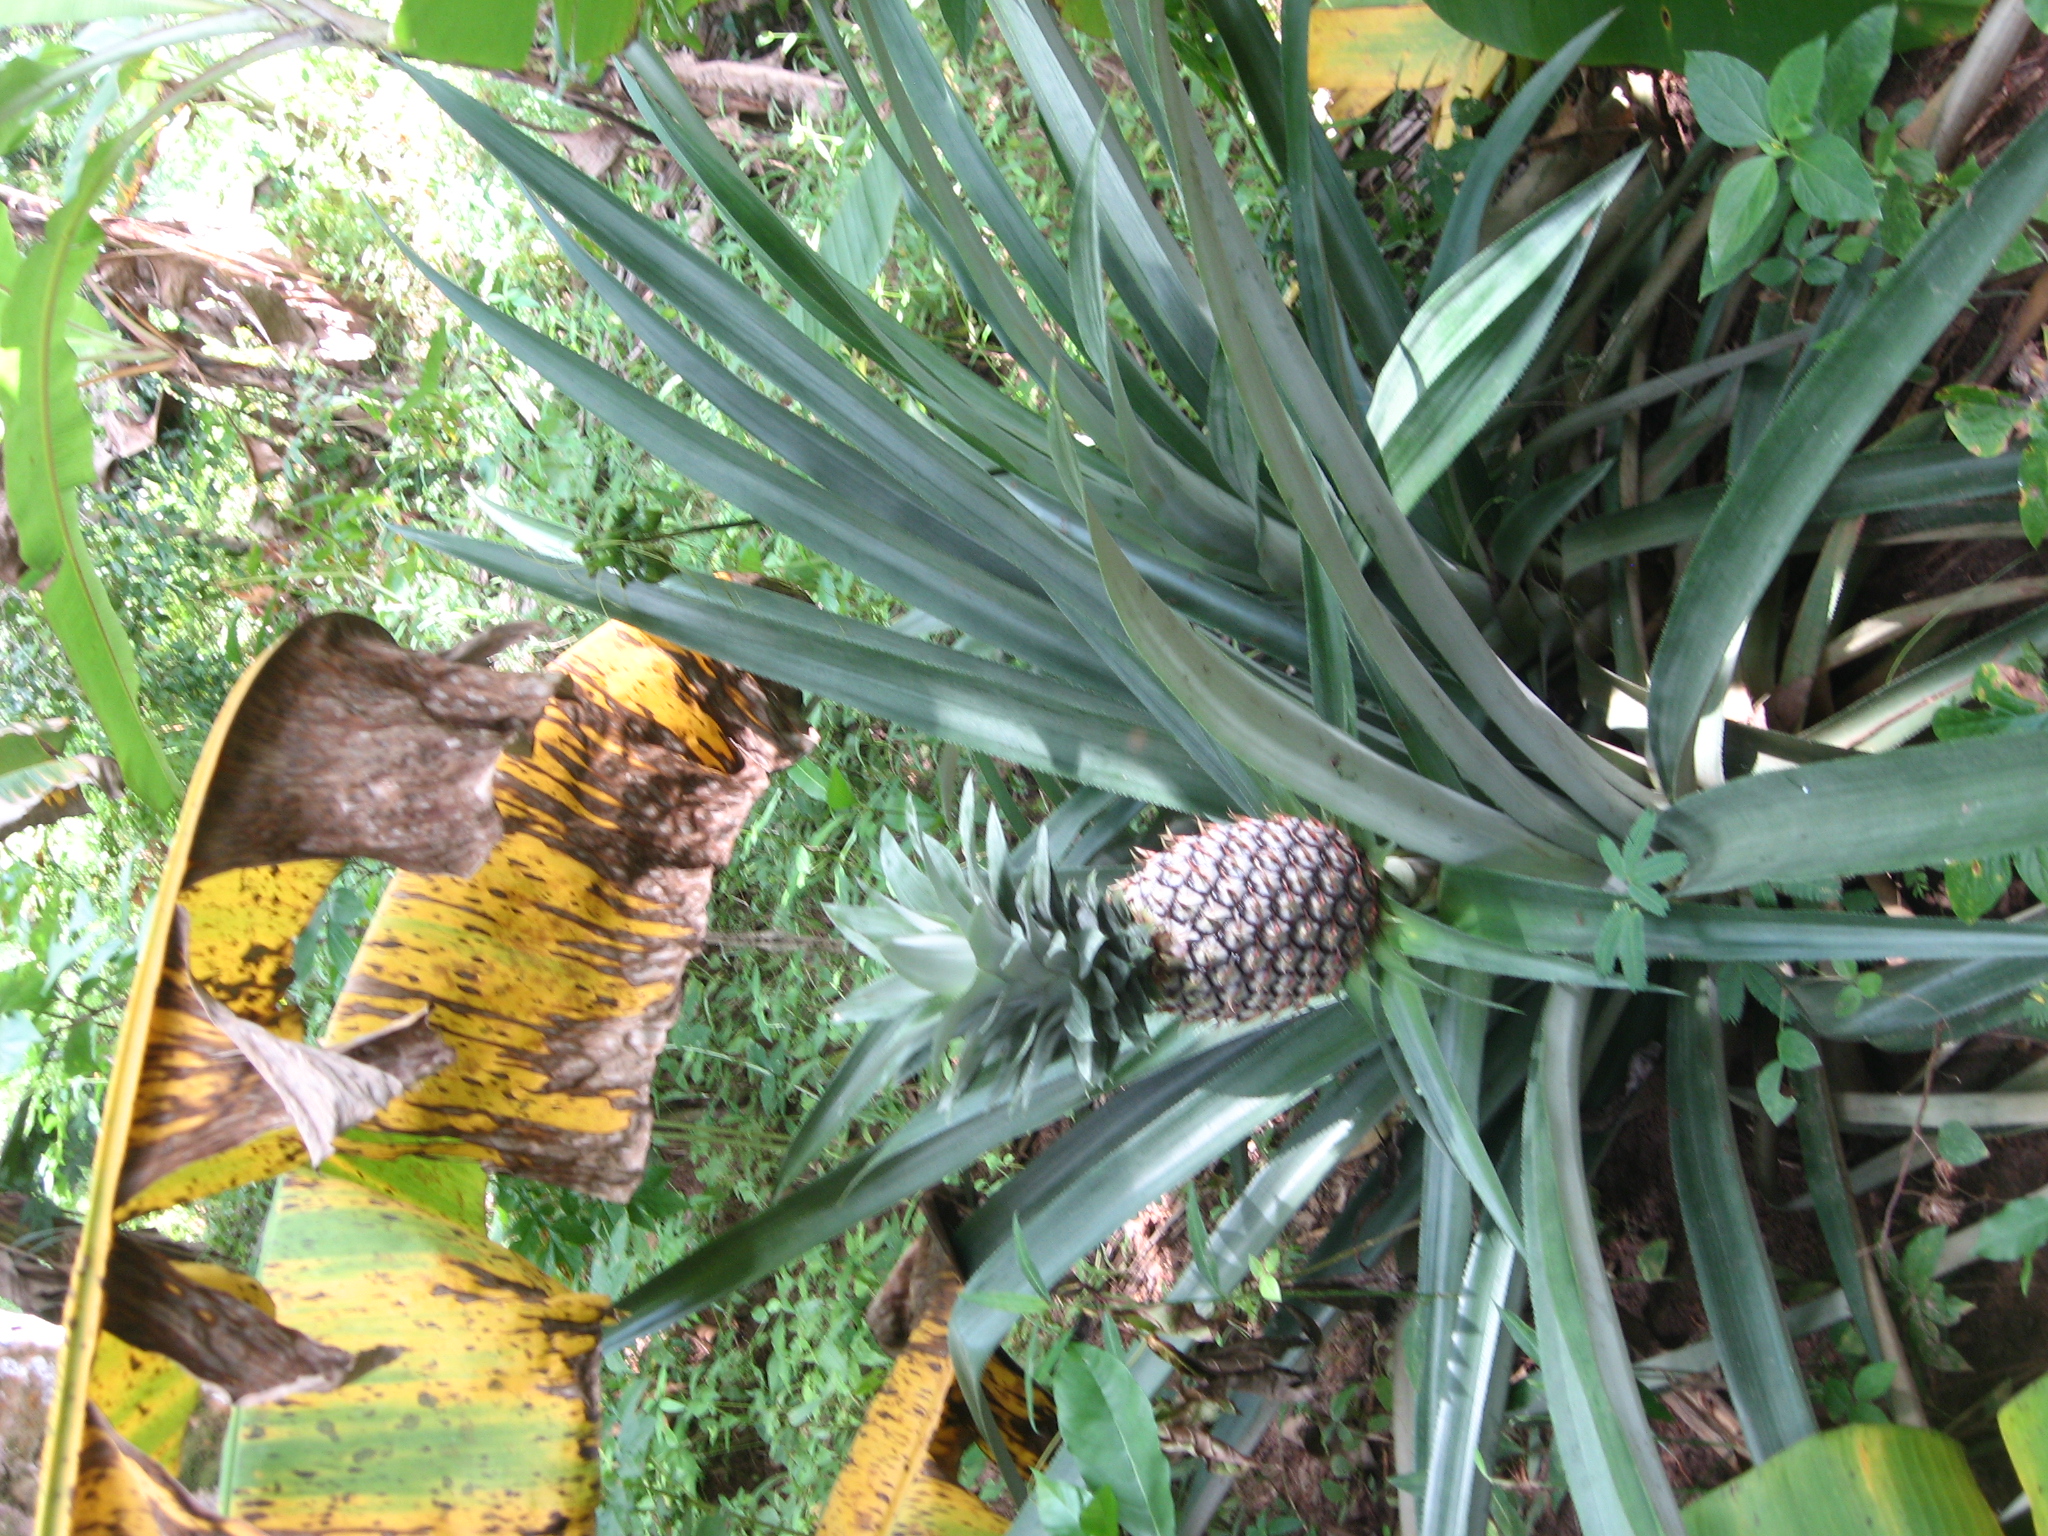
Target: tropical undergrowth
x,y
255,506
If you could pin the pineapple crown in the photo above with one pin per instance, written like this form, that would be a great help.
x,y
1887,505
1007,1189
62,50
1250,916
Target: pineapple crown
x,y
1020,962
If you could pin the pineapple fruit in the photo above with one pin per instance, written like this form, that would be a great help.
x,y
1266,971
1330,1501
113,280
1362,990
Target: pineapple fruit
x,y
1025,965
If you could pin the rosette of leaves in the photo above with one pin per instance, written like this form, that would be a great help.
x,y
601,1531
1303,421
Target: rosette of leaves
x,y
1267,536
1018,962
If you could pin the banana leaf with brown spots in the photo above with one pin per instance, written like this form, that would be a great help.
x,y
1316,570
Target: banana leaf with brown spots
x,y
556,834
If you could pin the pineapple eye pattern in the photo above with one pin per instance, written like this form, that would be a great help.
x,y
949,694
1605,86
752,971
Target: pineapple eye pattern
x,y
1250,917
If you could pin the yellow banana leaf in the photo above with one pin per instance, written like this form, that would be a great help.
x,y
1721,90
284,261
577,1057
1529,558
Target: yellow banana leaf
x,y
902,1477
122,1492
1869,1479
1362,54
466,1379
2024,1423
554,970
486,1419
147,1398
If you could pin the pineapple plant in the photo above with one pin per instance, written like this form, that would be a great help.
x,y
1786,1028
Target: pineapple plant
x,y
1270,530
1286,525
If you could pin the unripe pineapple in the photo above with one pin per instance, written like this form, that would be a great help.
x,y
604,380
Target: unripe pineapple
x,y
1240,920
1251,917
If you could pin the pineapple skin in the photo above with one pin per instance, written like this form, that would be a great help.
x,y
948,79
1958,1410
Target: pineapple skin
x,y
1253,916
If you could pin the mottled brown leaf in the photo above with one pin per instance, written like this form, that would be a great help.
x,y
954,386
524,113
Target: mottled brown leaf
x,y
555,970
122,1492
218,1337
204,1094
349,745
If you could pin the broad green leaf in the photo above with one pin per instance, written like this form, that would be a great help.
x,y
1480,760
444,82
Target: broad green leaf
x,y
1871,1479
1813,433
1857,59
29,742
2034,491
2015,1231
1959,1144
1743,203
1107,1423
1794,90
484,34
1830,181
1729,99
1668,34
1975,886
1798,1052
1604,1442
1729,1260
942,692
2023,1423
1771,1094
1066,1511
590,31
1864,813
49,458
1471,341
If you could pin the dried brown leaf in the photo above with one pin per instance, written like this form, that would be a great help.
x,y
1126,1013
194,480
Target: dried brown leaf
x,y
595,151
220,1338
349,745
206,1091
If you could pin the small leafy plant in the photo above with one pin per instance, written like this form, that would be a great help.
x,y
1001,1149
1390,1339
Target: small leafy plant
x,y
1633,873
1803,124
